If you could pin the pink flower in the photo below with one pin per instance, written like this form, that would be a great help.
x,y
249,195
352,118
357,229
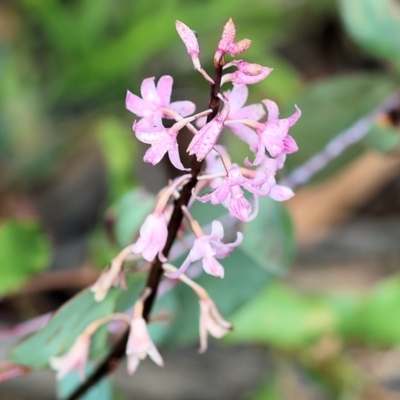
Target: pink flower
x,y
161,139
113,275
237,99
208,248
154,99
74,360
273,134
140,345
211,321
247,73
230,191
269,167
189,39
207,137
227,42
153,236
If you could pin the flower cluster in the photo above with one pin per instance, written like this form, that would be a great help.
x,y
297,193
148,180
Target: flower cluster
x,y
222,181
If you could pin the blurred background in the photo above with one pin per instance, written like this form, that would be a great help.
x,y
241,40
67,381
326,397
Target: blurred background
x,y
329,327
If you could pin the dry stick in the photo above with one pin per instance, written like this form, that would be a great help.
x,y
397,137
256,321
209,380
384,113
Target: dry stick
x,y
118,351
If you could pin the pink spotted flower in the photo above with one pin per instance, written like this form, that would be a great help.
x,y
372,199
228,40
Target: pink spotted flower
x,y
208,248
273,135
157,98
230,191
162,140
208,135
237,98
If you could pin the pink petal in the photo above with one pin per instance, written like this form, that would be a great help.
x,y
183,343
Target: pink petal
x,y
189,38
289,145
213,267
217,230
184,107
173,154
244,133
293,118
228,36
137,105
152,136
240,207
240,47
156,152
253,111
149,91
237,98
273,110
281,193
164,89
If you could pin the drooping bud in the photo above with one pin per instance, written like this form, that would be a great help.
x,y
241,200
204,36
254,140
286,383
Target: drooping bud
x,y
247,73
189,39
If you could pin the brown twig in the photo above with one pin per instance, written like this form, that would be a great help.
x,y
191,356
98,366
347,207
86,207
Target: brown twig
x,y
118,351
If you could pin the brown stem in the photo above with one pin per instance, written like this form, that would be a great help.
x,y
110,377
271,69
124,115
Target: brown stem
x,y
118,351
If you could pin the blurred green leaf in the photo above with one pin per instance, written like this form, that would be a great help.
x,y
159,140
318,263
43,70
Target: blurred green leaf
x,y
282,318
375,320
375,25
268,239
24,251
101,391
131,212
119,149
69,321
383,138
329,107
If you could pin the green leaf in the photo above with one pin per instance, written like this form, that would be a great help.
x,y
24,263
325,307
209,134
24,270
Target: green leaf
x,y
119,148
24,251
383,138
268,239
375,320
101,391
131,212
375,25
69,321
328,108
282,318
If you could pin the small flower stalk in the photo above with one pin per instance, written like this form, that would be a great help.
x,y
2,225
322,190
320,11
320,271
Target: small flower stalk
x,y
212,177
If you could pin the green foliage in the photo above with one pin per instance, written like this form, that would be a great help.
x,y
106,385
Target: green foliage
x,y
102,391
331,106
374,320
284,319
69,321
375,25
383,138
116,142
131,211
24,251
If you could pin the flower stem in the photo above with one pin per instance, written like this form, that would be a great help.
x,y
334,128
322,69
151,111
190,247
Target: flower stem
x,y
118,351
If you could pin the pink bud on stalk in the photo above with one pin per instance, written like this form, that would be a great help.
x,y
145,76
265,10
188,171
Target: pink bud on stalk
x,y
211,320
139,342
189,39
227,43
